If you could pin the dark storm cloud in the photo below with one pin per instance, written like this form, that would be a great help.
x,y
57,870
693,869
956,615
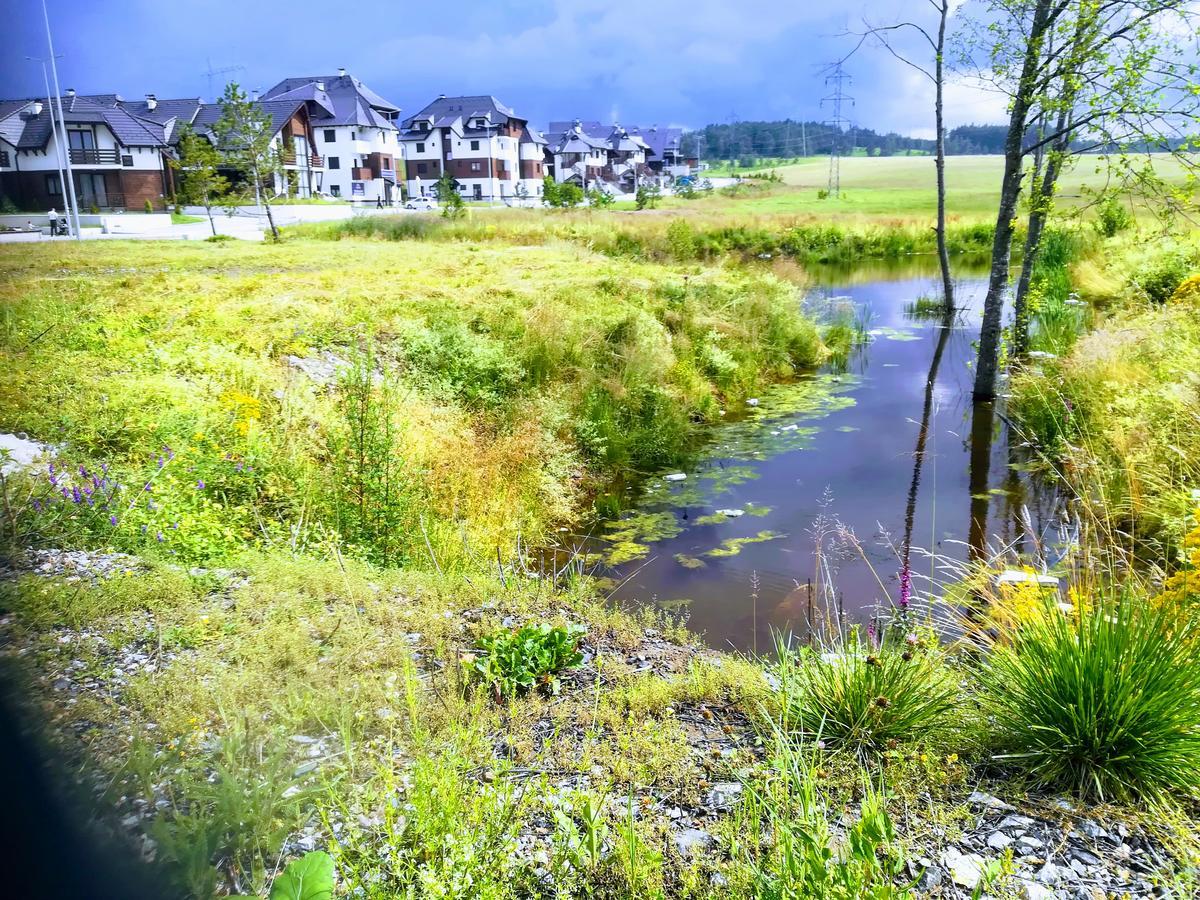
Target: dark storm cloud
x,y
669,62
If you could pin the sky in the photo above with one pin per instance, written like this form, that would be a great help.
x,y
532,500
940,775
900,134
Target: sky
x,y
668,62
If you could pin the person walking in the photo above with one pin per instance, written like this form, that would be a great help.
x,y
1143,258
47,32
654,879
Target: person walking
x,y
53,216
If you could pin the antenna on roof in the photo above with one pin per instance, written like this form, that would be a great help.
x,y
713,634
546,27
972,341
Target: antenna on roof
x,y
212,73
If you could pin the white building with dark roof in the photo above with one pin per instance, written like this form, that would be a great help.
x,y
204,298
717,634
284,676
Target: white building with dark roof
x,y
355,132
491,152
118,159
592,155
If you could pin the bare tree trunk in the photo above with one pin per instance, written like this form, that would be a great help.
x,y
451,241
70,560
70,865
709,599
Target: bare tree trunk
x,y
939,83
266,205
208,211
1033,240
1010,192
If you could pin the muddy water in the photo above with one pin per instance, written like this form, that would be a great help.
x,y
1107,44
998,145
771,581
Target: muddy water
x,y
822,482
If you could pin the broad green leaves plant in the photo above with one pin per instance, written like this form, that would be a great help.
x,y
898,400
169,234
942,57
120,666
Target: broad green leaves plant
x,y
515,662
308,878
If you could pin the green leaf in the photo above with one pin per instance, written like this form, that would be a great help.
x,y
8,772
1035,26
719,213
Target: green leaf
x,y
307,878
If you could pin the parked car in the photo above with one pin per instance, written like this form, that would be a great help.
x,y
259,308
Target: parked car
x,y
420,203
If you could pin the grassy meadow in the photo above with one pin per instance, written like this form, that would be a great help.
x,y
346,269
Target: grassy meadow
x,y
310,482
900,188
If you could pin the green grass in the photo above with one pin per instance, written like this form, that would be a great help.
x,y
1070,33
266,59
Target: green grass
x,y
897,188
1105,703
506,400
181,219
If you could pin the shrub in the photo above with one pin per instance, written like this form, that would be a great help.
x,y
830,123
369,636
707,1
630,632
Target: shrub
x,y
647,197
1188,291
515,662
599,199
1159,279
1105,703
868,699
1113,218
149,207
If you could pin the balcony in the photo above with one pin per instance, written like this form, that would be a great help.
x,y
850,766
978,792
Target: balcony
x,y
312,161
95,157
361,173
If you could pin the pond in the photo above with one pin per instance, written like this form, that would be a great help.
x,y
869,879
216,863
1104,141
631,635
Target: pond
x,y
815,488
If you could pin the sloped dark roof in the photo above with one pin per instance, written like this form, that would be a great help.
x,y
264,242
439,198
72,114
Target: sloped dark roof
x,y
279,111
344,100
660,140
532,136
29,132
465,107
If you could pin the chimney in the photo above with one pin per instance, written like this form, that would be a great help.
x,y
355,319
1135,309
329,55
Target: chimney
x,y
36,109
254,94
320,85
151,102
341,71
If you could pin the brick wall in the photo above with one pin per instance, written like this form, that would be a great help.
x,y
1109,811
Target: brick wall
x,y
141,185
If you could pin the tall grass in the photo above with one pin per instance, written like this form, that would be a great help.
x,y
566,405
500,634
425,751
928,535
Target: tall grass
x,y
676,238
868,698
1105,703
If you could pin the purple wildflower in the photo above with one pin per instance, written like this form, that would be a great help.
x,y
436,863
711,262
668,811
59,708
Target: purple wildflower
x,y
143,529
63,491
159,537
50,468
161,462
905,586
175,526
37,505
76,497
112,520
871,633
82,472
238,466
200,485
54,481
147,486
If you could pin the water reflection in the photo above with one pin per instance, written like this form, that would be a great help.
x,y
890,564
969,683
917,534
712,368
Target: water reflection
x,y
830,489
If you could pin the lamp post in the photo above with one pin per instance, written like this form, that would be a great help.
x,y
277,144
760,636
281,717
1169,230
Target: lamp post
x,y
62,122
58,145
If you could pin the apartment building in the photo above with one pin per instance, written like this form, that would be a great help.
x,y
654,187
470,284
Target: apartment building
x,y
491,152
118,159
356,133
594,155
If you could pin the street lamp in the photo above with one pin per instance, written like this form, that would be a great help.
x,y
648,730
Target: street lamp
x,y
58,145
62,124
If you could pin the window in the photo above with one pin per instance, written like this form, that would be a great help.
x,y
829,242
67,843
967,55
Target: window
x,y
420,148
335,162
330,135
354,135
53,185
474,145
127,160
78,139
476,167
335,190
478,192
422,168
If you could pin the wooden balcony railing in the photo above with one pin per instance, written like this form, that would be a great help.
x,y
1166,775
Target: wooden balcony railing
x,y
314,161
95,157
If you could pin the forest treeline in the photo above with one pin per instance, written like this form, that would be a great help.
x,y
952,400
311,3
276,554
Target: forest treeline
x,y
788,138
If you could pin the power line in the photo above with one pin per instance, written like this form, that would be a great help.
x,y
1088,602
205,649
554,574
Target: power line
x,y
838,122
